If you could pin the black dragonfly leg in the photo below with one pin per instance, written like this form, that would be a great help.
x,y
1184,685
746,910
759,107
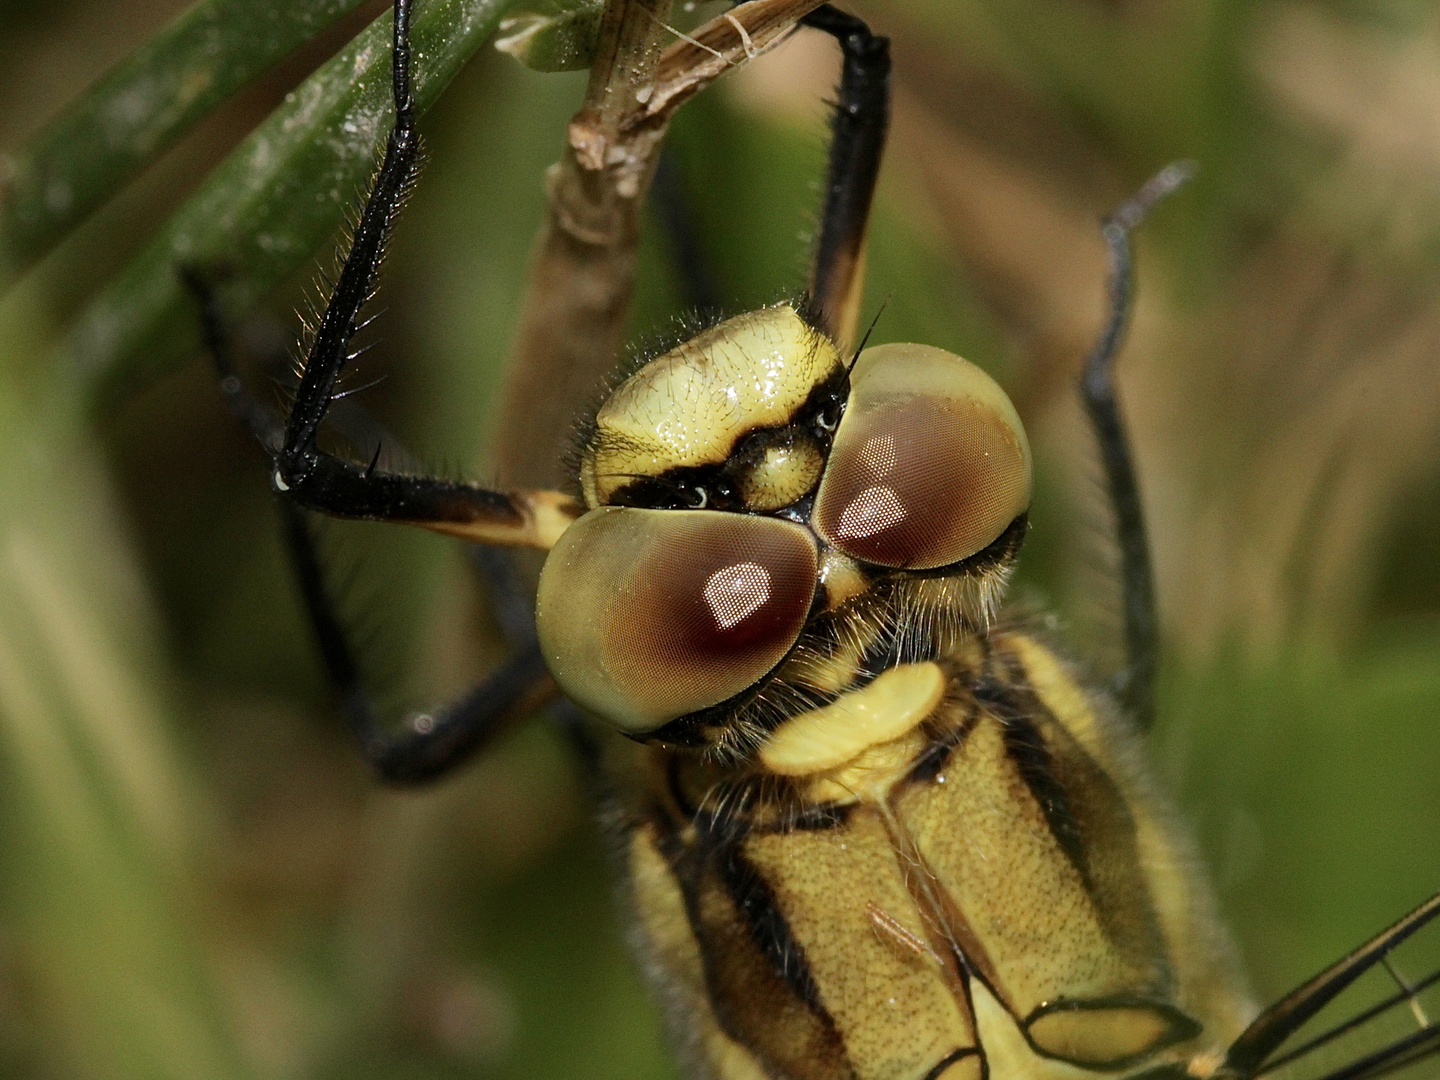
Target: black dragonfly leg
x,y
264,422
306,477
428,745
320,481
1135,685
857,143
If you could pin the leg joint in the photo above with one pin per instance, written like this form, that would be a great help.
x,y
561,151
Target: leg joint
x,y
856,38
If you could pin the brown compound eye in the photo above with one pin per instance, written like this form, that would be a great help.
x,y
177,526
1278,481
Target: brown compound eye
x,y
929,465
647,615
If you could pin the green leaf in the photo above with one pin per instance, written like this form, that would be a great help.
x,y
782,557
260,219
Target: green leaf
x,y
554,40
267,208
139,109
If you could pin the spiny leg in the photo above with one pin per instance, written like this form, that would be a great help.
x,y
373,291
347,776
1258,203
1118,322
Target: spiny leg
x,y
1135,685
430,745
305,476
329,351
857,143
321,481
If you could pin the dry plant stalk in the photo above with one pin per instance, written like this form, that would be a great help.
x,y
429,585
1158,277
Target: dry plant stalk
x,y
583,269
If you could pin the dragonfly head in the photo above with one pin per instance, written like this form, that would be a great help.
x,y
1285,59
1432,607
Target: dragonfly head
x,y
757,507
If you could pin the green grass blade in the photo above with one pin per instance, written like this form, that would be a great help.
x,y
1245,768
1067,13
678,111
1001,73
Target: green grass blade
x,y
132,115
108,835
268,207
562,39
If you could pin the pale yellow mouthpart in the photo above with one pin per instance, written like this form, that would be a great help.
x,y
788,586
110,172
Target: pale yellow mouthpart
x,y
842,578
785,473
691,405
826,738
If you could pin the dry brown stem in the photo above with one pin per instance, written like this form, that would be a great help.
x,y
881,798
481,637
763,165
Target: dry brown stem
x,y
582,272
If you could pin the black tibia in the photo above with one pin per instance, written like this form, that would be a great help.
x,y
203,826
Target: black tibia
x,y
362,491
1135,685
862,115
430,745
262,420
329,351
351,420
319,480
349,489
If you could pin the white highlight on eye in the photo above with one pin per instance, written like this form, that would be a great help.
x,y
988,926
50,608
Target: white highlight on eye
x,y
872,511
878,455
734,593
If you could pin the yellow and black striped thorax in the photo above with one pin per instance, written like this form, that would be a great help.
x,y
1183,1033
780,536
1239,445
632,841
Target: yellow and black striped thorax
x,y
991,893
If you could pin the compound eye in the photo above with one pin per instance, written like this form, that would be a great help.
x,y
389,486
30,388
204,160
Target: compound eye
x,y
930,463
647,615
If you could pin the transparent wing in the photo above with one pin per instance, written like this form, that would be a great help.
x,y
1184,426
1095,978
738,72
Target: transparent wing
x,y
1374,1013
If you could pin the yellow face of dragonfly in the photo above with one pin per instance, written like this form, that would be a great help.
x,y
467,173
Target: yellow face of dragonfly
x,y
748,494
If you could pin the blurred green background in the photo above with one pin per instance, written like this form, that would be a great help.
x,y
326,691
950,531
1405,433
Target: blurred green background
x,y
197,876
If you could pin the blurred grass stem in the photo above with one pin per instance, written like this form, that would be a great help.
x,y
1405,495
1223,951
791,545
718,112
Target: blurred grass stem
x,y
137,111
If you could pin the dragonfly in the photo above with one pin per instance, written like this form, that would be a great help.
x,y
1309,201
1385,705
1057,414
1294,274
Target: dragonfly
x,y
869,828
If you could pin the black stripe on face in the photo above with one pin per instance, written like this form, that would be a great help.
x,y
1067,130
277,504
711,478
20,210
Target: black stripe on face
x,y
814,420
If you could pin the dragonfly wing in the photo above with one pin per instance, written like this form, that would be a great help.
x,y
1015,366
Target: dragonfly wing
x,y
1299,1037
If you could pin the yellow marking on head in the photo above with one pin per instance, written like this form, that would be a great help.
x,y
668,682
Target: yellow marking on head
x,y
782,476
689,406
884,710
